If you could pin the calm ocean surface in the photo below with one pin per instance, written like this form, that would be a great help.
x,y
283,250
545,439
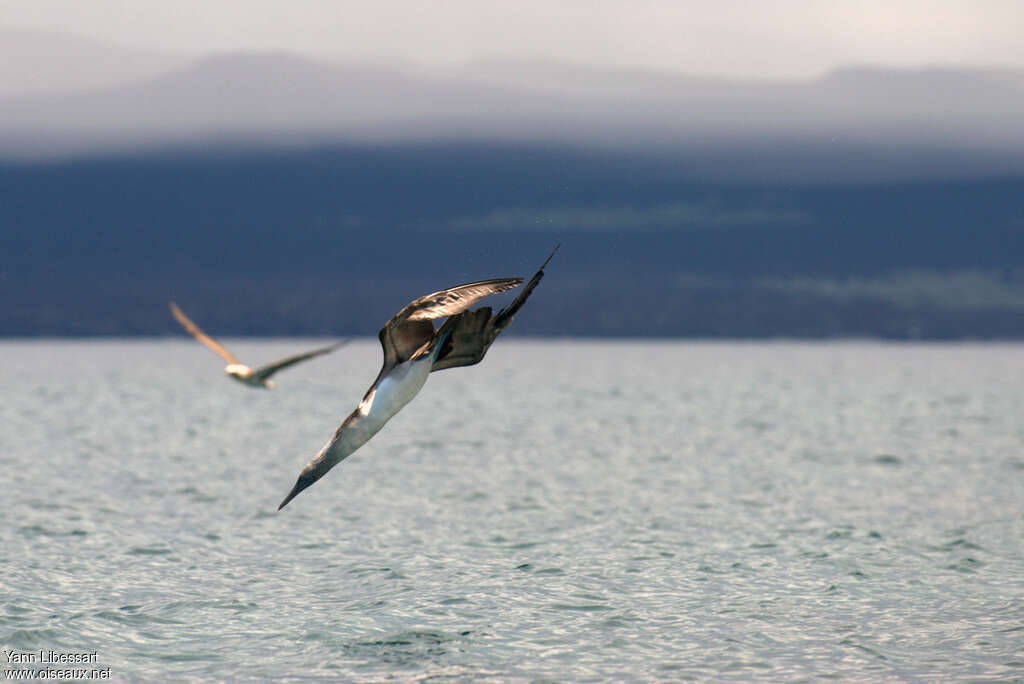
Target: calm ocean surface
x,y
563,511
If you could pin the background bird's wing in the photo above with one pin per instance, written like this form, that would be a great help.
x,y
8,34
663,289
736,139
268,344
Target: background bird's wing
x,y
194,330
265,372
471,333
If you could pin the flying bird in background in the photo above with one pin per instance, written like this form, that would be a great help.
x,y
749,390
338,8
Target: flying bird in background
x,y
412,350
254,377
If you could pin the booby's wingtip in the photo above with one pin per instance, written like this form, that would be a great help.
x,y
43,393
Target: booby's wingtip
x,y
542,266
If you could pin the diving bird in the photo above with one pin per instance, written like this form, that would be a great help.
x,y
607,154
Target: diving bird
x,y
254,377
412,350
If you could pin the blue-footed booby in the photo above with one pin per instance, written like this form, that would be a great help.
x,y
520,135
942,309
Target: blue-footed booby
x,y
254,377
412,350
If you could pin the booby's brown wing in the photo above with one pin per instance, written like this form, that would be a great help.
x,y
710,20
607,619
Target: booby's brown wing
x,y
455,300
471,333
194,330
401,340
265,372
412,327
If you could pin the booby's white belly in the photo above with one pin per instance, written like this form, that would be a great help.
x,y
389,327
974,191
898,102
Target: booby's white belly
x,y
394,391
384,400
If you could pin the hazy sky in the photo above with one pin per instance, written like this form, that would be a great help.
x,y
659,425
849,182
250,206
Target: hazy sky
x,y
724,37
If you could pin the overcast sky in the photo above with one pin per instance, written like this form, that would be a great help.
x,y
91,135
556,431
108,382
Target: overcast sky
x,y
752,38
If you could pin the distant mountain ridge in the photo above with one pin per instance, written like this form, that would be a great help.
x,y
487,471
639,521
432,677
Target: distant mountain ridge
x,y
272,99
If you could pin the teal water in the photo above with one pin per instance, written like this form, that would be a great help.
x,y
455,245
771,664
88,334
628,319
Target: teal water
x,y
563,511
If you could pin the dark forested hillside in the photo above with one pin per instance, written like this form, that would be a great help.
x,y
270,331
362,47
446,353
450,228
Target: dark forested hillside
x,y
334,240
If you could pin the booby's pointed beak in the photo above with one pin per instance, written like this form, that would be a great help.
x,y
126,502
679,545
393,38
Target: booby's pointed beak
x,y
287,499
300,484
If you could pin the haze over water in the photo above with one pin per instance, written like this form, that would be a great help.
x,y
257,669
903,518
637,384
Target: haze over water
x,y
565,510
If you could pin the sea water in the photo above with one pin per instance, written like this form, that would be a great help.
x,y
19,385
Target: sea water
x,y
566,510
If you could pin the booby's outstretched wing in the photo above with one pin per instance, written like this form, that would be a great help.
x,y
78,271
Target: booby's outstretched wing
x,y
194,330
412,328
455,299
264,372
471,333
